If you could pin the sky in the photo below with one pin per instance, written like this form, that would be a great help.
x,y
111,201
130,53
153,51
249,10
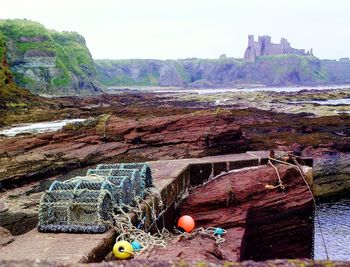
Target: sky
x,y
171,29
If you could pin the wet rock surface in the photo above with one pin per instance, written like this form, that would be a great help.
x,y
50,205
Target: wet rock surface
x,y
331,170
316,102
261,223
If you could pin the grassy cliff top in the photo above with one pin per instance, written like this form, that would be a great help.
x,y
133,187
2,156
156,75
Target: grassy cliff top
x,y
17,28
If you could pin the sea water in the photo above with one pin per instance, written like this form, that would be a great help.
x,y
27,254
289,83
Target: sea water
x,y
329,102
334,216
34,128
251,89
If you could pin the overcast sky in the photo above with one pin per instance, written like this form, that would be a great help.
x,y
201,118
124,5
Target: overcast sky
x,y
191,28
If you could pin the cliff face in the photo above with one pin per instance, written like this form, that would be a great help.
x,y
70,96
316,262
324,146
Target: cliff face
x,y
276,70
46,61
337,70
11,95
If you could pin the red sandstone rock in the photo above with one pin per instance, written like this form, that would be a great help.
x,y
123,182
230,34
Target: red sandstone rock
x,y
168,137
261,223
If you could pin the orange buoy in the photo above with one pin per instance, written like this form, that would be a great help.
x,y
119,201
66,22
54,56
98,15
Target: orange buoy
x,y
186,222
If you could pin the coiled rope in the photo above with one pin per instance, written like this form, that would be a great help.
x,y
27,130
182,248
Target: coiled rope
x,y
129,232
209,232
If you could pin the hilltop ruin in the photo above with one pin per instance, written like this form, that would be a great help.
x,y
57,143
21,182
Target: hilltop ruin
x,y
264,47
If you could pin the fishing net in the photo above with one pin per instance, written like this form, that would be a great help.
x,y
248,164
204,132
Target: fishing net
x,y
88,203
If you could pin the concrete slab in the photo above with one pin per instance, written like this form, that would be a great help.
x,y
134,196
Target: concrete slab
x,y
62,247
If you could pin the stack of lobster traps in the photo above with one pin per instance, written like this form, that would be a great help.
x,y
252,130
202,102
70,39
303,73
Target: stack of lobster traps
x,y
88,203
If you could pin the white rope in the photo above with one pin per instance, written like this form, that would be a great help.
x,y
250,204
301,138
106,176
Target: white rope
x,y
280,183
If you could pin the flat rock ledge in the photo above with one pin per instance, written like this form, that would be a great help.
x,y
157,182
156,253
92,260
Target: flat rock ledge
x,y
169,137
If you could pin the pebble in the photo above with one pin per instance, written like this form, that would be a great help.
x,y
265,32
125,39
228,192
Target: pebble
x,y
3,207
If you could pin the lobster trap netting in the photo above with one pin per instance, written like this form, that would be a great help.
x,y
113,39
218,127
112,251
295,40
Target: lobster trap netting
x,y
144,168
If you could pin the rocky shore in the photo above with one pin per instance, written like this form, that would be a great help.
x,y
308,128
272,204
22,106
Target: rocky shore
x,y
107,137
150,126
143,126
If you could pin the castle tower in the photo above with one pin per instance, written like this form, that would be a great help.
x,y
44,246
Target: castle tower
x,y
285,46
250,53
251,40
264,44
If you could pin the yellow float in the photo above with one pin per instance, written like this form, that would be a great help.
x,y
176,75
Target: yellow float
x,y
123,250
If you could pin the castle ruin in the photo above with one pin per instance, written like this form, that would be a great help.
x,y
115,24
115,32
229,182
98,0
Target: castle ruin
x,y
264,47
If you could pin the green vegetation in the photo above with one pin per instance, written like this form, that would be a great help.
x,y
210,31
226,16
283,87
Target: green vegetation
x,y
2,45
60,59
46,46
11,96
228,60
3,69
13,29
295,68
148,73
180,70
